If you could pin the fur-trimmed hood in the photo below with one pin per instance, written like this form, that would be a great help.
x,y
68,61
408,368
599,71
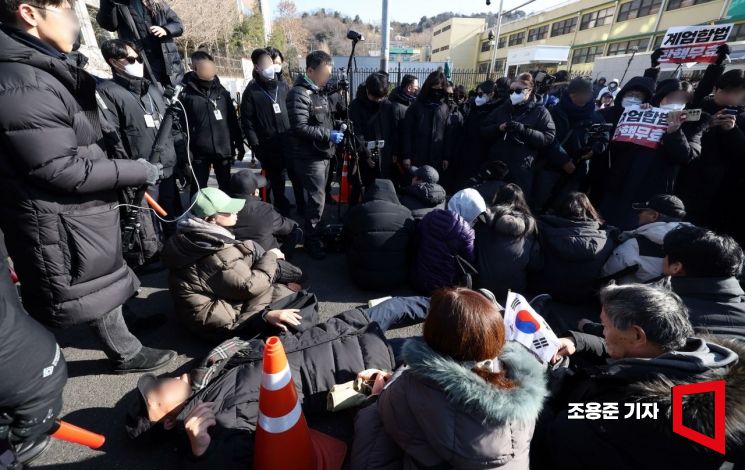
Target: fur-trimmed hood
x,y
699,408
478,398
509,222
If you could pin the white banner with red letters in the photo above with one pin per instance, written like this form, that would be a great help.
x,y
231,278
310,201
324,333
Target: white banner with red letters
x,y
683,44
641,126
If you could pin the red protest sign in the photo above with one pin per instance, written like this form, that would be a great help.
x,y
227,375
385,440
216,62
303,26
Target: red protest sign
x,y
643,127
694,43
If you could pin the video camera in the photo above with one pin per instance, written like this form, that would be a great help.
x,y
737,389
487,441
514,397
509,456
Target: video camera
x,y
543,81
598,136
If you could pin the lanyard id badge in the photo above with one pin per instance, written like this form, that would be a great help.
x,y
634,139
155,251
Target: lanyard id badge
x,y
218,115
149,121
277,109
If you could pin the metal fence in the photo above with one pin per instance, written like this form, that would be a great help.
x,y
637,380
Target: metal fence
x,y
469,78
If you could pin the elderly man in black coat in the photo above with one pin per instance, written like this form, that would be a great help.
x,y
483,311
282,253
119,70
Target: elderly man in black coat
x,y
59,211
703,268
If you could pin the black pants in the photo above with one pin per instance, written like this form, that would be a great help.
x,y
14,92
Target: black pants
x,y
170,200
313,175
275,176
221,166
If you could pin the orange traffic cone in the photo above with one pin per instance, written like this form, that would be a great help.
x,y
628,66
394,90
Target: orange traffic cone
x,y
344,185
67,432
283,439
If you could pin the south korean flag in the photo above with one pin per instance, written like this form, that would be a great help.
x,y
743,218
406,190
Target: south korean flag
x,y
528,328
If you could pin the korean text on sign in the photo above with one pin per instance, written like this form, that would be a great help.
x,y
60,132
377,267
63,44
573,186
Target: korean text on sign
x,y
693,43
641,126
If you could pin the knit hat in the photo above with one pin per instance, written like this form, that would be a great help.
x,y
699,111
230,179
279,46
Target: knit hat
x,y
579,85
426,174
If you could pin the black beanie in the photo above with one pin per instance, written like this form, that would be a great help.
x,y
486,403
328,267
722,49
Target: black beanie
x,y
664,88
579,85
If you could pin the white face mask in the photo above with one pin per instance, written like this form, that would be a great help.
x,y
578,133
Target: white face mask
x,y
517,98
268,73
630,102
481,100
277,68
135,70
673,106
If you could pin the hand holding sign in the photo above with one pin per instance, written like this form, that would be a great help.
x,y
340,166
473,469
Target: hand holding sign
x,y
683,44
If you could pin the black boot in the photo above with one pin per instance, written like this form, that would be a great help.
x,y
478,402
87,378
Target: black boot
x,y
147,360
28,451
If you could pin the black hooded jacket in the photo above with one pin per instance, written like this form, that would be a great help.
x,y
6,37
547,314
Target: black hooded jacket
x,y
422,198
506,247
715,305
474,146
162,53
429,135
127,101
211,137
59,211
401,103
378,234
376,121
573,253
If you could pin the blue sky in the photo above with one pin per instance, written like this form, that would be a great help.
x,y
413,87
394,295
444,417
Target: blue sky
x,y
411,10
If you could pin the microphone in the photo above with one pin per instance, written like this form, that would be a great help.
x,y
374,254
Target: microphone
x,y
343,127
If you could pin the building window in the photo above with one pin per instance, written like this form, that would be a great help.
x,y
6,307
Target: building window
x,y
437,32
658,42
597,18
517,38
537,33
445,28
445,47
738,33
502,42
484,67
564,27
638,9
625,47
675,4
485,46
585,55
436,50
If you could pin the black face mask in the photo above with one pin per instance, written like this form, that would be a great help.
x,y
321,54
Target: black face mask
x,y
438,94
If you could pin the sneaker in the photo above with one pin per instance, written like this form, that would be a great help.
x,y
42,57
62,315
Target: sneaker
x,y
28,451
147,360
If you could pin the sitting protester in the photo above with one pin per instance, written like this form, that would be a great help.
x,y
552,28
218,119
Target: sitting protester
x,y
215,407
703,269
574,248
466,399
445,240
490,179
378,233
222,286
424,194
639,257
506,243
649,346
260,221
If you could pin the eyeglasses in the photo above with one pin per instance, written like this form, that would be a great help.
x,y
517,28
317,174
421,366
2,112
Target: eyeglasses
x,y
132,60
68,13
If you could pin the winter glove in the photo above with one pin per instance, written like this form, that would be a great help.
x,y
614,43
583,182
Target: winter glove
x,y
722,53
516,127
153,172
336,137
655,57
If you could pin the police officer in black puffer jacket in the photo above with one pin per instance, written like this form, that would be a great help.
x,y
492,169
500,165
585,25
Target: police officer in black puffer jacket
x,y
311,141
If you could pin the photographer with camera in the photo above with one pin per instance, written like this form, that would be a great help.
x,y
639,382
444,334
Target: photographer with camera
x,y
311,142
552,87
581,134
136,109
59,210
373,118
518,131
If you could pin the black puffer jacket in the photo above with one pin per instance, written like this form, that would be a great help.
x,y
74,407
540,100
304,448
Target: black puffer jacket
x,y
401,103
264,129
58,210
506,247
519,149
330,353
378,234
423,198
573,253
211,137
162,53
429,133
474,147
31,365
715,305
127,101
259,221
310,122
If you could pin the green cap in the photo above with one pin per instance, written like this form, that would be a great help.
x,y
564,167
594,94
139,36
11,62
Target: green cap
x,y
209,201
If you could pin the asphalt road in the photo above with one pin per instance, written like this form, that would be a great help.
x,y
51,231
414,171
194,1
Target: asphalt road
x,y
96,399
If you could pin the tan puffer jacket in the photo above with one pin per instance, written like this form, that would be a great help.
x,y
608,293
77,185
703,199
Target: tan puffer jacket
x,y
219,284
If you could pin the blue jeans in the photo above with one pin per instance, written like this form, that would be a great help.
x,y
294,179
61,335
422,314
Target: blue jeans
x,y
399,312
